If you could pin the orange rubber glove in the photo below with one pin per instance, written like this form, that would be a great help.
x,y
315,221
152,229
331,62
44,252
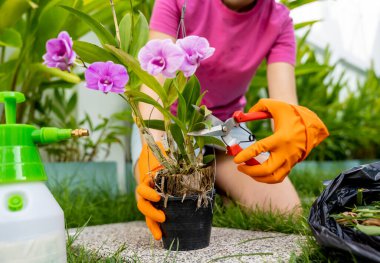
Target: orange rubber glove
x,y
297,130
146,192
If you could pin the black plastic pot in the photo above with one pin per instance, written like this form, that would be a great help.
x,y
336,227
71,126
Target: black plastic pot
x,y
186,225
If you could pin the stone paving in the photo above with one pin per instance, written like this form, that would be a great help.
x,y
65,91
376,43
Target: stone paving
x,y
226,245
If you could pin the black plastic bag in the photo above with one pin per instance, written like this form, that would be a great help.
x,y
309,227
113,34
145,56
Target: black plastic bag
x,y
340,194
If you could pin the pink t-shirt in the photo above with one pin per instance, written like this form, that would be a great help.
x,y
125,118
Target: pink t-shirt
x,y
241,41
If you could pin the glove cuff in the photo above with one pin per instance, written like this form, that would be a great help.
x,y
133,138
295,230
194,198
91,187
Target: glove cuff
x,y
315,129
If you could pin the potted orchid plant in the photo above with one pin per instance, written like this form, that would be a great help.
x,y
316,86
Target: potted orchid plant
x,y
121,65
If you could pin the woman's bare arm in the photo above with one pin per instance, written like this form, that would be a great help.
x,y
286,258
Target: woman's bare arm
x,y
281,82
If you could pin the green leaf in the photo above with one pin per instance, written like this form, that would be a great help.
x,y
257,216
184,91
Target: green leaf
x,y
67,76
260,81
305,24
172,86
200,142
309,69
89,121
49,22
181,81
11,11
199,100
140,34
191,93
105,37
91,53
125,27
177,134
181,108
6,73
142,97
208,158
197,121
134,81
369,230
71,104
294,4
208,140
155,124
134,66
11,38
52,84
206,112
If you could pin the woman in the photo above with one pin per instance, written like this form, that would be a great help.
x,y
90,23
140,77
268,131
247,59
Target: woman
x,y
243,33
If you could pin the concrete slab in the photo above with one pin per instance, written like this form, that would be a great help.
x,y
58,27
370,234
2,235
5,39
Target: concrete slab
x,y
226,245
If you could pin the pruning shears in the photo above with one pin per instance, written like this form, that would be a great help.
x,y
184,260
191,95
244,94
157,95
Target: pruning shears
x,y
223,129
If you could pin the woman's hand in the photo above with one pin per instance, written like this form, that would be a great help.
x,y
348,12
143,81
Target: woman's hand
x,y
148,166
296,131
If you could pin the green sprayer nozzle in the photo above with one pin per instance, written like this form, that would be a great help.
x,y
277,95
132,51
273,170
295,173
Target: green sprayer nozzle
x,y
19,157
51,134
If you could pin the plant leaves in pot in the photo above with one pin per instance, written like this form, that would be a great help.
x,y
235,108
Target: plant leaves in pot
x,y
185,182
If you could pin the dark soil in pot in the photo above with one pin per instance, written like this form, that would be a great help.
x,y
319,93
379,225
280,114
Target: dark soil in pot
x,y
187,202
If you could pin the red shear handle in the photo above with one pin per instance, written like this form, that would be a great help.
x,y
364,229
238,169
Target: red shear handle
x,y
240,116
235,149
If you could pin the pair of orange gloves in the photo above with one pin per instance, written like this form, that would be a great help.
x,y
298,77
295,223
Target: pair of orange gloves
x,y
297,130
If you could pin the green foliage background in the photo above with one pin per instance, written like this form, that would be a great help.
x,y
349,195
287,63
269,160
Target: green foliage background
x,y
352,116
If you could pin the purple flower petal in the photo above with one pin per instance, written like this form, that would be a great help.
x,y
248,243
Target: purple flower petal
x,y
105,84
161,56
119,75
196,49
174,56
188,69
92,77
117,90
66,38
148,52
106,77
156,65
59,52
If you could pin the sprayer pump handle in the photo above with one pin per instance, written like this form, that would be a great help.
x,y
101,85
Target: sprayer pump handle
x,y
10,99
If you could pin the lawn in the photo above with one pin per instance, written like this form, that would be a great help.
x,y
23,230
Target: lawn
x,y
89,207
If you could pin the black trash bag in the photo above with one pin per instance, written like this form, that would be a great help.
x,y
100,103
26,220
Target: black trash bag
x,y
336,198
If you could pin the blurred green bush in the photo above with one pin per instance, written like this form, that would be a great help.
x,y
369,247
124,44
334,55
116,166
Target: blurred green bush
x,y
25,26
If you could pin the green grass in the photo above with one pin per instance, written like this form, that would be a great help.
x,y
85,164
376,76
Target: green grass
x,y
96,207
85,206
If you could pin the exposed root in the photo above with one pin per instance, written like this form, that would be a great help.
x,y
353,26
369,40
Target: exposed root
x,y
199,182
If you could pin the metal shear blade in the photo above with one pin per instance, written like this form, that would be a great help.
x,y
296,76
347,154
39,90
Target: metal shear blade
x,y
213,131
218,127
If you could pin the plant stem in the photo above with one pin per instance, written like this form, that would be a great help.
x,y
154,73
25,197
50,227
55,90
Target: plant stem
x,y
83,64
133,23
115,21
2,58
166,162
190,149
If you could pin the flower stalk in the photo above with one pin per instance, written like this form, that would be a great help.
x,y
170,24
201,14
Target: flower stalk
x,y
115,22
